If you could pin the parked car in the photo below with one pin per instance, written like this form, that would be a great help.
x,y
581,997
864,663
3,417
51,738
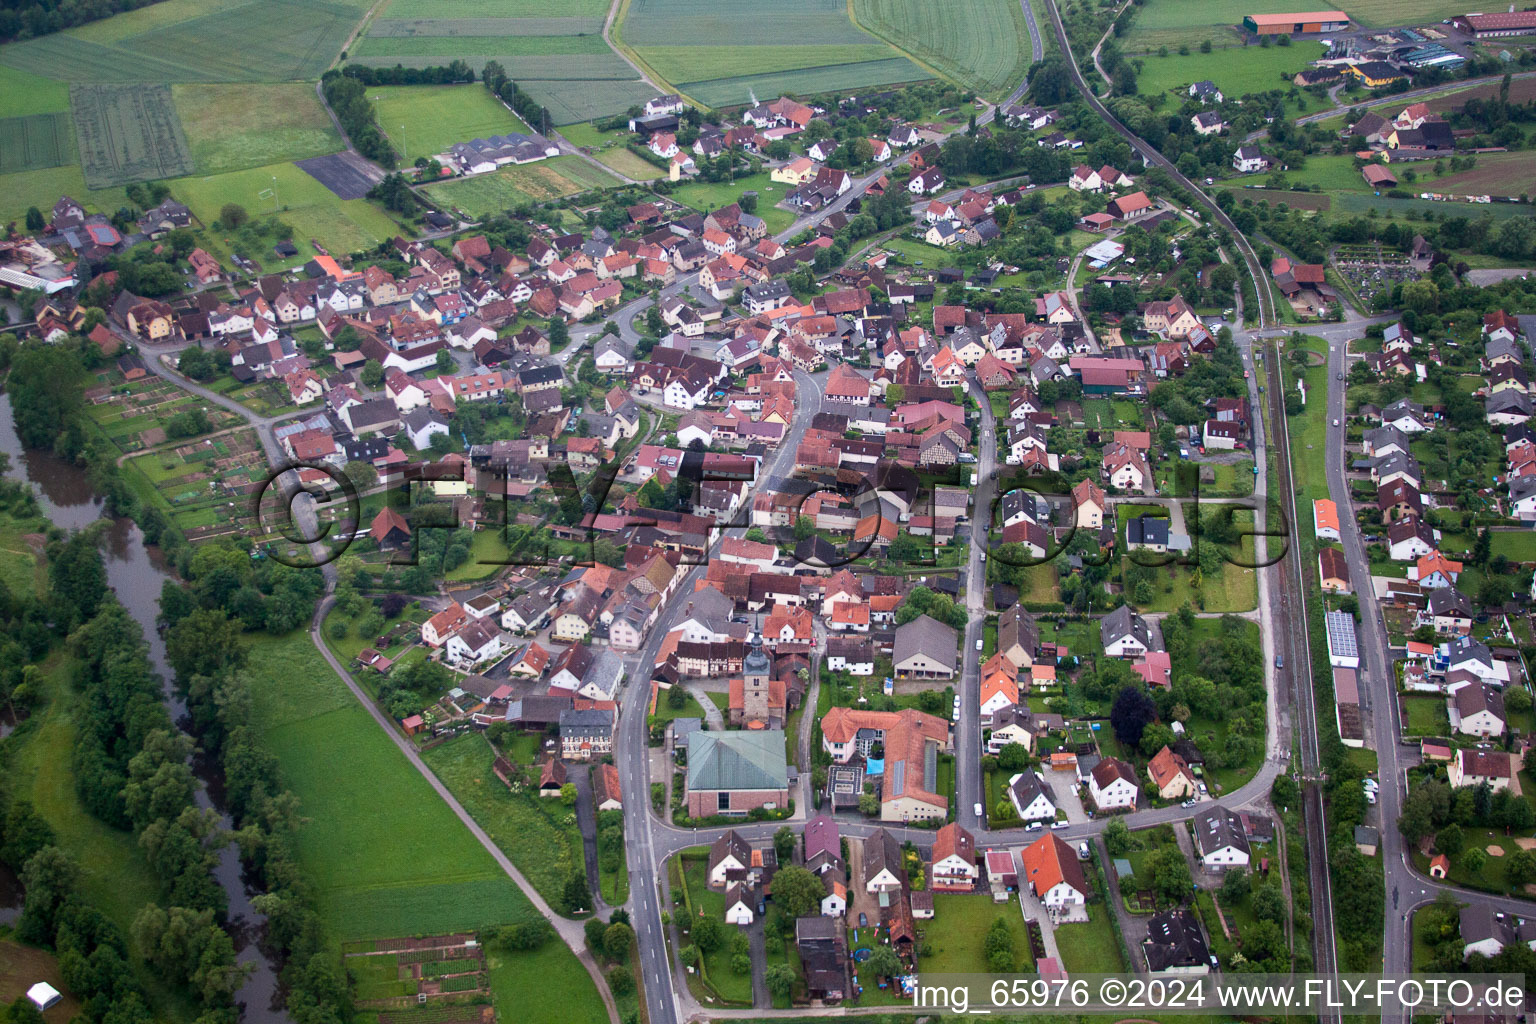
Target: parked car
x,y
1061,824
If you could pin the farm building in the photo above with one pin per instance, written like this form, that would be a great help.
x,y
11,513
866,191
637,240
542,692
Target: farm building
x,y
1499,23
1304,22
1377,176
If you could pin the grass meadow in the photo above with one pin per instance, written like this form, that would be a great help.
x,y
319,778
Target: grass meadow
x,y
386,855
982,44
1258,69
690,42
26,93
546,986
532,830
222,137
427,119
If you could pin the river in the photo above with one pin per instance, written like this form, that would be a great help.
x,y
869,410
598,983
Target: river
x,y
69,501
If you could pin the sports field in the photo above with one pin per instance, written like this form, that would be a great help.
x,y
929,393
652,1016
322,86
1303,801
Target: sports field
x,y
422,120
223,136
386,855
512,186
794,46
1172,23
184,41
982,44
341,225
35,142
128,133
1236,73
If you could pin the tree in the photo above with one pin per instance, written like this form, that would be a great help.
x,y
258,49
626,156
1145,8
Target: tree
x,y
780,978
1269,904
689,955
568,794
869,804
444,361
1132,712
372,374
1014,757
35,221
621,980
1450,840
362,474
233,215
999,947
805,527
1234,886
559,335
1117,838
884,963
1170,873
784,844
576,895
1517,700
708,934
797,890
618,940
1474,860
50,879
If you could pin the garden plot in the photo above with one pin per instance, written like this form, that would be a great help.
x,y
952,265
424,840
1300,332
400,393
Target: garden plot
x,y
137,415
397,973
205,487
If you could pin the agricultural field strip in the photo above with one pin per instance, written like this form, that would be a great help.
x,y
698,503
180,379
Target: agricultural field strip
x,y
982,45
457,46
35,142
807,81
261,40
128,134
485,27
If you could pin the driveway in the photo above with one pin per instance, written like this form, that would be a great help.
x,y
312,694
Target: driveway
x,y
1132,926
1063,786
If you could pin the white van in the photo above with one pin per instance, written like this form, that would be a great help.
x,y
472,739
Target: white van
x,y
977,809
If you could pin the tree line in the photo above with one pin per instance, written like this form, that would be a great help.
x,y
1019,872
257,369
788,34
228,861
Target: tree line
x,y
28,19
347,96
131,772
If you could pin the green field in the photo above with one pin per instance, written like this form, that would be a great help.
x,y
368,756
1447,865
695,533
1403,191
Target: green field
x,y
1174,22
962,922
560,59
128,133
529,828
546,986
347,225
1257,69
35,142
426,119
982,44
1090,948
514,185
223,137
691,42
386,855
31,94
806,81
689,63
703,196
461,45
490,9
258,40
